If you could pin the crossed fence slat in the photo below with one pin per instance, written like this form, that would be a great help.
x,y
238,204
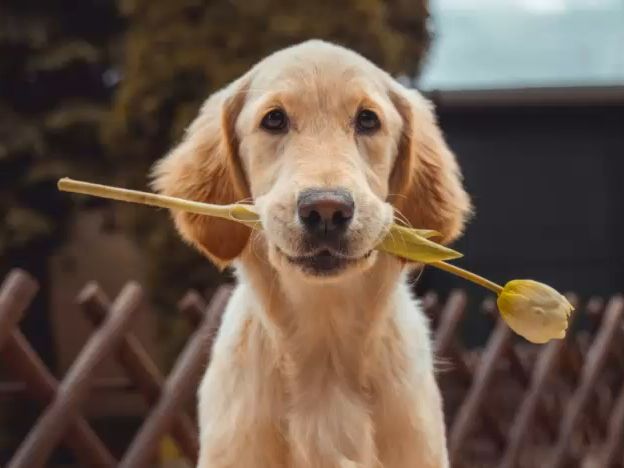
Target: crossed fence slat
x,y
519,430
16,293
468,411
498,348
139,366
44,437
589,369
577,349
596,358
463,420
180,387
613,445
451,317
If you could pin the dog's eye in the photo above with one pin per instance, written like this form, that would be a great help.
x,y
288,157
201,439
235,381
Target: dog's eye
x,y
367,121
275,121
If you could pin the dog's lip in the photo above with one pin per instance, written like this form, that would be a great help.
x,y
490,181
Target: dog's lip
x,y
325,253
325,261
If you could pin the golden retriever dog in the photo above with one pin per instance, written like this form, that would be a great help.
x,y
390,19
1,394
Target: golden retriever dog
x,y
323,359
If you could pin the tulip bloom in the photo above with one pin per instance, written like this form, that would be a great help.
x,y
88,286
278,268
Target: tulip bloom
x,y
534,310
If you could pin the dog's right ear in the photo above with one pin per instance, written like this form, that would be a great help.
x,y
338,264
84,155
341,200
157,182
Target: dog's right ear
x,y
206,167
426,181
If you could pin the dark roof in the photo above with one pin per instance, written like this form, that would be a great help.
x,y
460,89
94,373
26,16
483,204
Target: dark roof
x,y
546,96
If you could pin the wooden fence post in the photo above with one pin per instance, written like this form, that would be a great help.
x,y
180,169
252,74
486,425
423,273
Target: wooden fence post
x,y
133,357
53,423
451,315
16,294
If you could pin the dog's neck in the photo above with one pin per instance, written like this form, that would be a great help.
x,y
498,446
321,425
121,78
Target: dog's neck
x,y
332,323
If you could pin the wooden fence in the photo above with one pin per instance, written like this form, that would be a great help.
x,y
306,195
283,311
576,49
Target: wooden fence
x,y
508,404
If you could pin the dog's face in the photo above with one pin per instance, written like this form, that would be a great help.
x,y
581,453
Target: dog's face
x,y
318,141
329,148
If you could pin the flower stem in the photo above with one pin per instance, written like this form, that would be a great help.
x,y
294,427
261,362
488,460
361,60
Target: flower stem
x,y
246,214
241,213
480,280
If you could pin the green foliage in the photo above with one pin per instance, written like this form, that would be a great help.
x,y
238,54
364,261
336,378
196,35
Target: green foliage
x,y
52,104
178,52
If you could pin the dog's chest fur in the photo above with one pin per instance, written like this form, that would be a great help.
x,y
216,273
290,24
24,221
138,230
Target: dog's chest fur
x,y
321,376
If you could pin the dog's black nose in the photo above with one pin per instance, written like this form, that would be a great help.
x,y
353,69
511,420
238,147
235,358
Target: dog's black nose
x,y
325,212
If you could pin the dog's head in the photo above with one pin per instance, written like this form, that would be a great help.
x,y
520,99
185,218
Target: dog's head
x,y
330,149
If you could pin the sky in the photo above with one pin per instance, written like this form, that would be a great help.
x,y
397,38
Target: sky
x,y
489,44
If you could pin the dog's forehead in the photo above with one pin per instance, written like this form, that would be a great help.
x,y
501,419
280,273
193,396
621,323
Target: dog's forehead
x,y
316,66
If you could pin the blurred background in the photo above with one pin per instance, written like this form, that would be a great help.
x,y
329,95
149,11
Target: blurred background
x,y
530,95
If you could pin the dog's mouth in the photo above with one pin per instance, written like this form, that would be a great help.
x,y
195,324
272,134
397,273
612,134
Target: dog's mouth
x,y
326,262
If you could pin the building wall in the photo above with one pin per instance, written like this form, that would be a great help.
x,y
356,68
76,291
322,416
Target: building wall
x,y
548,188
109,258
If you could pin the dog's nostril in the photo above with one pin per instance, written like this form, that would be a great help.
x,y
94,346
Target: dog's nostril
x,y
339,218
312,219
325,211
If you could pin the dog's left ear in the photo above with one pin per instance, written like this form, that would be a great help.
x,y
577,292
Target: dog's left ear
x,y
206,167
426,183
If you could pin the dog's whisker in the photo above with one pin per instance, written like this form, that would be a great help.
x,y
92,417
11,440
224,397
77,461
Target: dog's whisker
x,y
402,217
402,195
256,248
245,201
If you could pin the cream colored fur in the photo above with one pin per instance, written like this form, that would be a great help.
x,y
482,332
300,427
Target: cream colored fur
x,y
317,372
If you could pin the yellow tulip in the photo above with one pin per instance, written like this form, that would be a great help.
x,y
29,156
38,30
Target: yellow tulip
x,y
534,310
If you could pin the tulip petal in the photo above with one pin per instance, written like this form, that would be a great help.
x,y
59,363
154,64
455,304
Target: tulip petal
x,y
534,310
406,243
